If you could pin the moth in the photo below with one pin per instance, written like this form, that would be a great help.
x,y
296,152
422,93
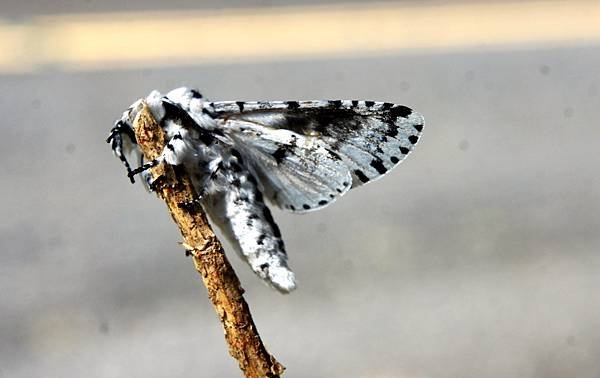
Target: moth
x,y
300,155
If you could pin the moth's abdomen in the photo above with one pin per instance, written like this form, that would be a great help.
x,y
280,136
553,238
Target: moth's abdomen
x,y
235,204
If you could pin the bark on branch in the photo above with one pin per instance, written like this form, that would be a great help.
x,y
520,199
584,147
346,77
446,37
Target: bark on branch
x,y
219,277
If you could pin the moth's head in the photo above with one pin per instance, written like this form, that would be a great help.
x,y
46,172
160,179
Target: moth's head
x,y
122,135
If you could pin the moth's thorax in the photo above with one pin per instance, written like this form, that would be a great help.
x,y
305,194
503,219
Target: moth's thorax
x,y
194,104
189,148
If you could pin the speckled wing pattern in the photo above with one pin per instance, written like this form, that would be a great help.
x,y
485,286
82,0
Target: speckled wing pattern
x,y
309,153
301,155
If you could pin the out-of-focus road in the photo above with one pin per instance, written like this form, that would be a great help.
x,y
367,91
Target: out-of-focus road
x,y
477,257
174,38
16,9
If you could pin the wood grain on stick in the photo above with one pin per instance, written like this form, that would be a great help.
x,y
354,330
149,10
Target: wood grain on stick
x,y
223,285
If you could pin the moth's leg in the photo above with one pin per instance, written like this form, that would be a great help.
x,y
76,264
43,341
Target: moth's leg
x,y
172,154
145,167
119,146
150,183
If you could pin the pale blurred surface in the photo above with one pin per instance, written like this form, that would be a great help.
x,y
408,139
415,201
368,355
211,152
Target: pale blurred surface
x,y
477,257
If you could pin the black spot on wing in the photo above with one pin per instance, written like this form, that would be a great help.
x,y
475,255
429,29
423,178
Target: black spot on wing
x,y
334,154
400,111
419,128
280,154
390,114
306,207
394,159
404,150
323,203
240,105
336,103
292,104
361,176
378,165
392,131
413,139
261,239
369,104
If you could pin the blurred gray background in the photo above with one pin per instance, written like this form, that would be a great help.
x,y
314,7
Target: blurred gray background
x,y
477,257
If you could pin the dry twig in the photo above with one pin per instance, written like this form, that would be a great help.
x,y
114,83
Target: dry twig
x,y
219,277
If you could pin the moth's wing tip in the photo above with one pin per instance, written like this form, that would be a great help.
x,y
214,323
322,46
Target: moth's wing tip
x,y
417,118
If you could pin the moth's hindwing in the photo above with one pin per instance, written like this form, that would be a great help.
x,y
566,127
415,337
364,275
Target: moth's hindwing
x,y
309,153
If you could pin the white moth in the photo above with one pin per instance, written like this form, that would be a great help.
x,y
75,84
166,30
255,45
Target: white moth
x,y
302,156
